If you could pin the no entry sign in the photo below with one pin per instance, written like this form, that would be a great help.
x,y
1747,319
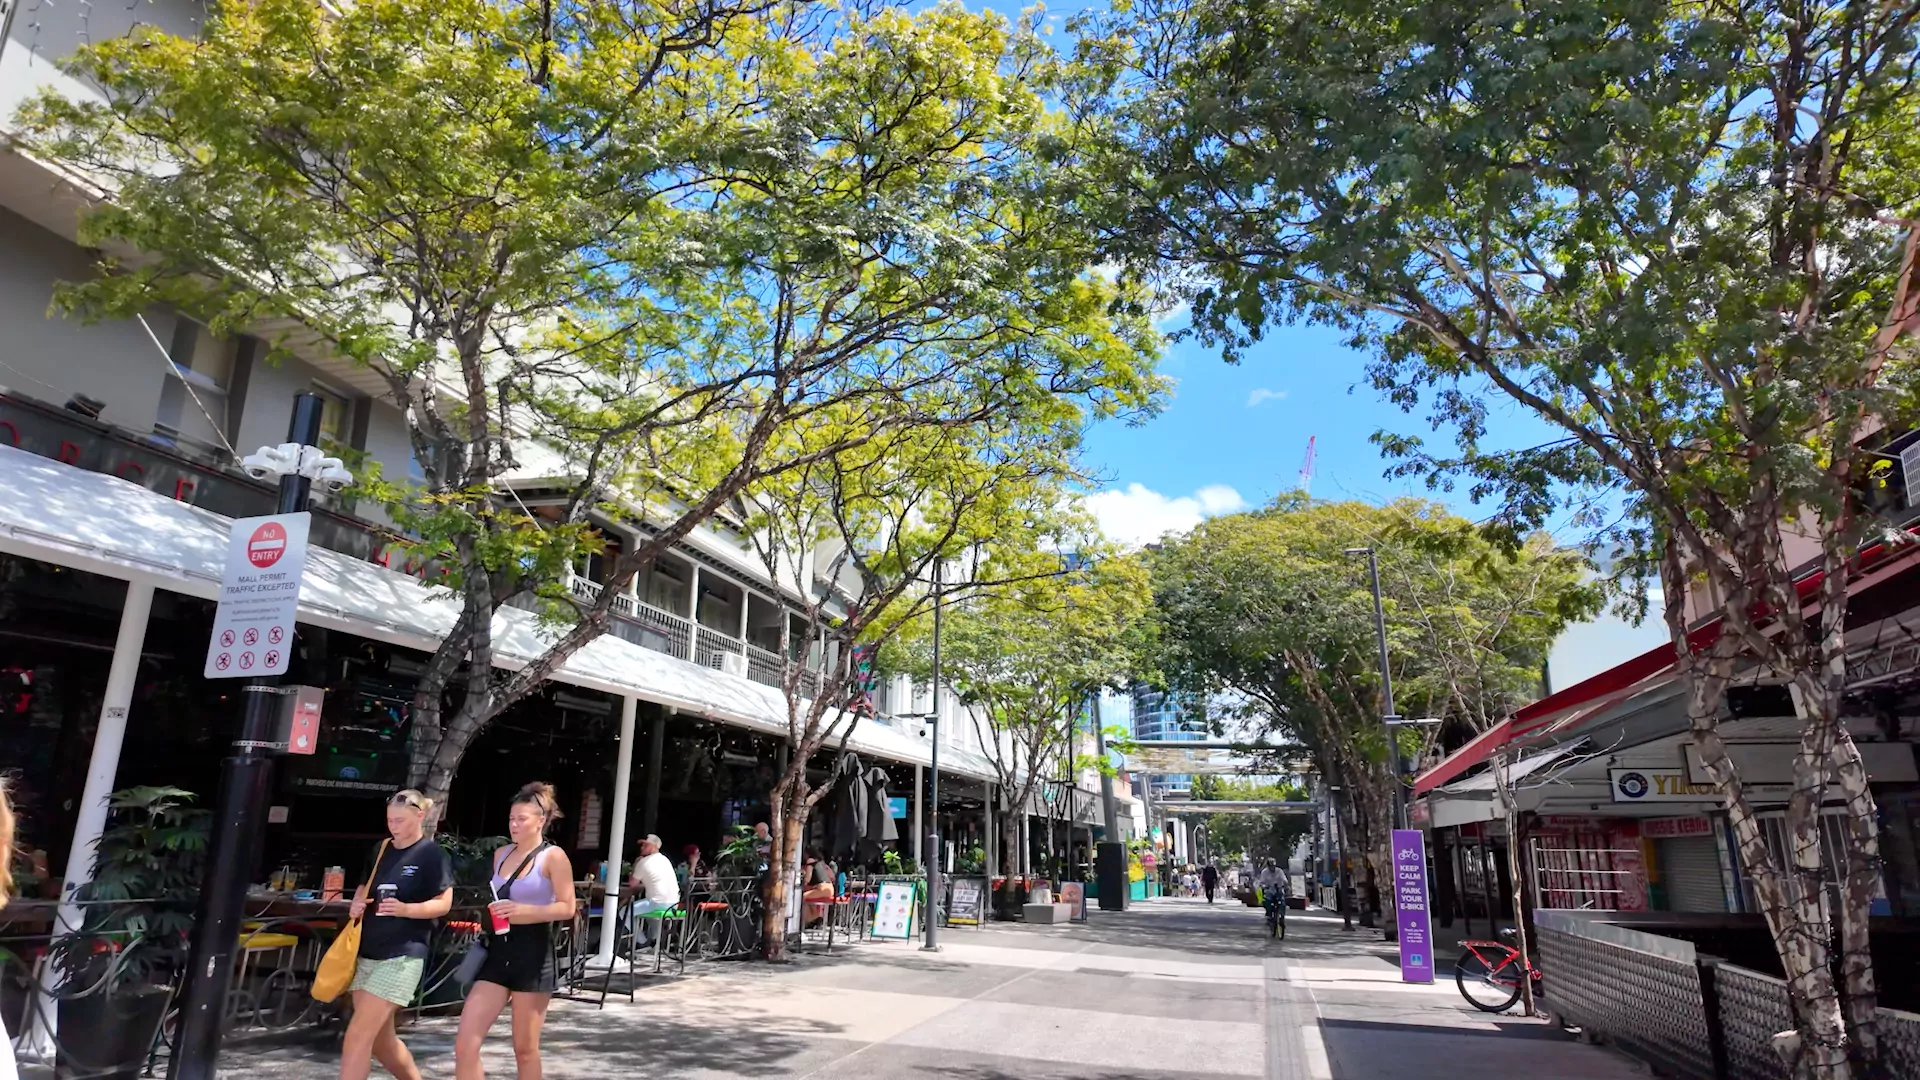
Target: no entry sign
x,y
266,545
259,597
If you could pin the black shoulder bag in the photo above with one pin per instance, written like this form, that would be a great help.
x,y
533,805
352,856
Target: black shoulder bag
x,y
476,954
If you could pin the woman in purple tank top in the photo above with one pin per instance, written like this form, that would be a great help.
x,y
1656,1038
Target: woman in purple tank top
x,y
533,883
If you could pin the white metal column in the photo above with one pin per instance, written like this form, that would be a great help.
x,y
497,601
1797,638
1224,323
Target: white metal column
x,y
919,788
91,821
617,836
693,614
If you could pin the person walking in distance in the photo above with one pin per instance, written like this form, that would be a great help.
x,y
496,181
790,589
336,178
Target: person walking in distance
x,y
1209,880
410,887
533,885
8,1070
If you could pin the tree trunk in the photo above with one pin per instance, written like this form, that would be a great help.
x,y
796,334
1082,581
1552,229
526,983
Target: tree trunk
x,y
1794,903
1858,992
1010,861
789,817
1505,791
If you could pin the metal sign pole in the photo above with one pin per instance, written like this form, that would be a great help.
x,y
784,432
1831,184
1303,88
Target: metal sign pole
x,y
934,854
246,780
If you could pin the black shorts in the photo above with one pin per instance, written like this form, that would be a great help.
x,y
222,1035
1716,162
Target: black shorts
x,y
521,960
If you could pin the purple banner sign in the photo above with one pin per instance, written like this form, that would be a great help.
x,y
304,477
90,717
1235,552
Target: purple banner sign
x,y
1410,905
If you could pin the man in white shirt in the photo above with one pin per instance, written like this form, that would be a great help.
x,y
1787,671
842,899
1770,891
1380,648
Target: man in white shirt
x,y
653,886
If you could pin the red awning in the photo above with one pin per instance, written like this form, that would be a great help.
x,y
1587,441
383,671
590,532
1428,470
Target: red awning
x,y
1875,565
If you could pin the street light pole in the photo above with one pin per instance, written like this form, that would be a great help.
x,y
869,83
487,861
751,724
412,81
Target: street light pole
x,y
934,853
1109,810
1388,718
245,790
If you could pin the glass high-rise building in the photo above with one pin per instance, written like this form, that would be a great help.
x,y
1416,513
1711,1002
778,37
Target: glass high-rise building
x,y
1161,716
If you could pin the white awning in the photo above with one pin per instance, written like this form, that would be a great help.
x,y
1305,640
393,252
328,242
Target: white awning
x,y
91,521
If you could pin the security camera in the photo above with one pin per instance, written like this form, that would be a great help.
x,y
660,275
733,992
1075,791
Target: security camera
x,y
333,475
271,462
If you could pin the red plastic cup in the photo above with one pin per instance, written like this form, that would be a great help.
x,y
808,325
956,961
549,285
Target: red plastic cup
x,y
500,924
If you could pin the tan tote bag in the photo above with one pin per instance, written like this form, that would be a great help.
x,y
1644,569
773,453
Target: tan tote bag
x,y
335,973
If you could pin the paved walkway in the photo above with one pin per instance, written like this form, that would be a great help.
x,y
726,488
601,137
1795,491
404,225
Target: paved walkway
x,y
1170,989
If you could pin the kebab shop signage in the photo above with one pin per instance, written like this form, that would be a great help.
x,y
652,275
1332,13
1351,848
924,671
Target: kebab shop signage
x,y
259,597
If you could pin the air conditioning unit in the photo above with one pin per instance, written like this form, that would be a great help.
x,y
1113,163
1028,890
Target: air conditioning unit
x,y
733,664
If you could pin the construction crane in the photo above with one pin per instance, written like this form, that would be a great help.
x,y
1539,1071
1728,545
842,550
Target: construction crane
x,y
1306,468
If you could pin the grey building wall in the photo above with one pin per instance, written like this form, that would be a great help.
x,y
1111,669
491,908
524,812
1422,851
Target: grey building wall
x,y
52,358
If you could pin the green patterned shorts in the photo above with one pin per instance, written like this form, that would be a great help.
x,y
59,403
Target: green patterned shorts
x,y
392,980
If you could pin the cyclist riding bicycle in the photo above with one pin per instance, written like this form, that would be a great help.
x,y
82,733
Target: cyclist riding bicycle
x,y
1273,886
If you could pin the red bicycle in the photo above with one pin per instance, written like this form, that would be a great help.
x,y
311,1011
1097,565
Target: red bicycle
x,y
1489,974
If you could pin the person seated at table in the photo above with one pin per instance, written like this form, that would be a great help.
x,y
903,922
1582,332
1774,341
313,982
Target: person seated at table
x,y
694,872
653,886
818,886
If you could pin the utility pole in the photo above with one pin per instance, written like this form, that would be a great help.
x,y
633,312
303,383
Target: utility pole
x,y
1388,718
1109,810
934,853
246,780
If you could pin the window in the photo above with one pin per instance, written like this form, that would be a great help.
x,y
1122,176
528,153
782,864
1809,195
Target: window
x,y
336,417
193,403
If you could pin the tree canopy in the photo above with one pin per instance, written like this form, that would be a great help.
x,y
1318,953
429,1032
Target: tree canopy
x,y
1026,655
1683,235
681,248
1267,613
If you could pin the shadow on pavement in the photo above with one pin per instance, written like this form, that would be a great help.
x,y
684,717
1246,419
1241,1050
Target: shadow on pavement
x,y
1370,1050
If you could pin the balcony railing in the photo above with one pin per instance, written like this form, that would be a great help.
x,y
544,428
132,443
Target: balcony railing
x,y
764,665
650,627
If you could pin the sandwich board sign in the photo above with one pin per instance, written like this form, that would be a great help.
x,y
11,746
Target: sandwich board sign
x,y
259,597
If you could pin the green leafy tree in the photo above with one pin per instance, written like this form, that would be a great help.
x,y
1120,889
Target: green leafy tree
x,y
629,244
1026,657
878,538
1269,611
1257,836
1682,235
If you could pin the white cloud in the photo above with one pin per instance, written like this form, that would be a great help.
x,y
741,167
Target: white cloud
x,y
1137,514
1264,395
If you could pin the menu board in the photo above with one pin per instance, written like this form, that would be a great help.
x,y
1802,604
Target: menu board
x,y
893,910
1074,894
969,901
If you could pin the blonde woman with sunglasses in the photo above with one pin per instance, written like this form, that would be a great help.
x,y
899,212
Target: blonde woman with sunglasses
x,y
411,887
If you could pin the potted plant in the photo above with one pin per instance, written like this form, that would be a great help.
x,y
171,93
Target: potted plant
x,y
739,854
117,969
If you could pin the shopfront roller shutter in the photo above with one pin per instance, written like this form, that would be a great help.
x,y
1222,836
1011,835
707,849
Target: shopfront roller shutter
x,y
1690,867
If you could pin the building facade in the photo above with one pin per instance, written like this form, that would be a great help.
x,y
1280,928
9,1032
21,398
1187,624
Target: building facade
x,y
1162,716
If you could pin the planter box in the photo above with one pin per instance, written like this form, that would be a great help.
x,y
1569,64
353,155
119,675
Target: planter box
x,y
1054,914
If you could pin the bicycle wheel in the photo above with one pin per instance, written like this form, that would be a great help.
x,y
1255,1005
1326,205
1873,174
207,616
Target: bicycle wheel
x,y
1280,926
1489,975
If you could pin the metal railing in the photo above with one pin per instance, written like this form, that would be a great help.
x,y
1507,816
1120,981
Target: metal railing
x,y
1591,878
764,665
714,645
649,627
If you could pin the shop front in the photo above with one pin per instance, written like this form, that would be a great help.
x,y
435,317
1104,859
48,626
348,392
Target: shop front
x,y
106,588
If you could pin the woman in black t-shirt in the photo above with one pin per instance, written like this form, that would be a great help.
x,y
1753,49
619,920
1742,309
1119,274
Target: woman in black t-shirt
x,y
411,886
